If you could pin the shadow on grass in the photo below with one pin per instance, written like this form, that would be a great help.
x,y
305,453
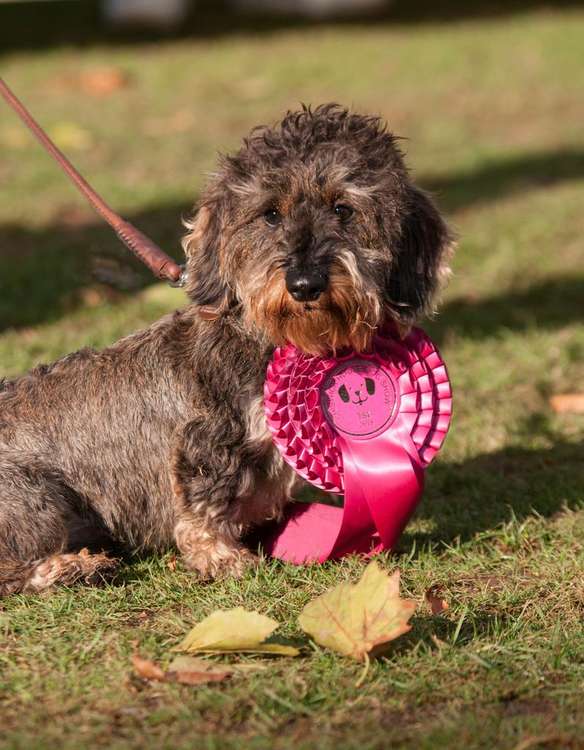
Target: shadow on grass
x,y
452,633
478,495
34,25
547,305
501,178
462,500
43,273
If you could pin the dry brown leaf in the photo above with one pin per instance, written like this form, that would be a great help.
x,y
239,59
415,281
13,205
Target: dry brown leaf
x,y
568,403
359,619
147,669
185,670
234,630
436,602
99,80
188,670
103,81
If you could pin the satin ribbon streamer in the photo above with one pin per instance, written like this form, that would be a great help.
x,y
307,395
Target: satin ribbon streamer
x,y
365,426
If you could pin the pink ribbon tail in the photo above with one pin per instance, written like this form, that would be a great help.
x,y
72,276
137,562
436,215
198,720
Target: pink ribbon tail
x,y
383,484
385,475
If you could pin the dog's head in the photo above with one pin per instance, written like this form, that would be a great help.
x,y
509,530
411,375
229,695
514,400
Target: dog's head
x,y
314,229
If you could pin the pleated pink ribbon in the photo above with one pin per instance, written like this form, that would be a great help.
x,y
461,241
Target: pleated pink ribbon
x,y
365,426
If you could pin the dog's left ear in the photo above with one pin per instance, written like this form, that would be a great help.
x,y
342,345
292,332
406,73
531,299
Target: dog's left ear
x,y
420,263
205,283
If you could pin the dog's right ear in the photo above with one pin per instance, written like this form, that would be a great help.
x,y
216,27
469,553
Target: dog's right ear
x,y
421,261
205,285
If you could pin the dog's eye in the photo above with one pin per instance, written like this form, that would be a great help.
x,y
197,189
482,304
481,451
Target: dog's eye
x,y
272,217
343,212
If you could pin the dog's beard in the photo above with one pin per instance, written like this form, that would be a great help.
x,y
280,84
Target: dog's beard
x,y
346,315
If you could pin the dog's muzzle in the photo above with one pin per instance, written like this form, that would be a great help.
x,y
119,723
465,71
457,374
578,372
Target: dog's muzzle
x,y
306,285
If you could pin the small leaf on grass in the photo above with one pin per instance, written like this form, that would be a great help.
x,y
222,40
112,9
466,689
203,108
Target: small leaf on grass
x,y
568,403
226,631
186,670
102,81
359,619
436,602
69,135
147,669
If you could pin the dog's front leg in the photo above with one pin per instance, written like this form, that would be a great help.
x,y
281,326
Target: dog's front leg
x,y
211,473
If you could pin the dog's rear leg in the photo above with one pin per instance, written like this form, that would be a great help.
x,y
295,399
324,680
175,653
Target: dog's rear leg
x,y
69,568
64,569
39,516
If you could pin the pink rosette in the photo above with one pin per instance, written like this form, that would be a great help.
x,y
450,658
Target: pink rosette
x,y
365,426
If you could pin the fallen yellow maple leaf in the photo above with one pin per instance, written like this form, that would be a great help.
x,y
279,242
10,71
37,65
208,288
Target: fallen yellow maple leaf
x,y
359,619
229,630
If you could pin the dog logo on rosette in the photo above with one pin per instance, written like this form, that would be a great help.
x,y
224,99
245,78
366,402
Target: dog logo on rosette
x,y
359,398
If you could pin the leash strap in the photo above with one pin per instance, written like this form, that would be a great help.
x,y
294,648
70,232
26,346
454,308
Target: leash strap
x,y
161,265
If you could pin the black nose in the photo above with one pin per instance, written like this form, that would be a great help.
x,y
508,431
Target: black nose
x,y
306,286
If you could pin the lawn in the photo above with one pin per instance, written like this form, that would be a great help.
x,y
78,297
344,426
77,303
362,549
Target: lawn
x,y
492,109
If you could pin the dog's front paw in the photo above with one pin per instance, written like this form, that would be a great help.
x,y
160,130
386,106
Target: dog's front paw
x,y
220,561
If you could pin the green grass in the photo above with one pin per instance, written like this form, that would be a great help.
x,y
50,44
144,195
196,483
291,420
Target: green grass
x,y
493,111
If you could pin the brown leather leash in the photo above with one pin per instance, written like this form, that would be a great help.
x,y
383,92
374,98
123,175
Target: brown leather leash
x,y
161,264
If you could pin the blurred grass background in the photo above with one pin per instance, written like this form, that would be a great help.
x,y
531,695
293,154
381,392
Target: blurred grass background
x,y
489,100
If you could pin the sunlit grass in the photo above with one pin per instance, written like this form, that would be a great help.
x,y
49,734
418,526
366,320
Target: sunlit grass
x,y
493,113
